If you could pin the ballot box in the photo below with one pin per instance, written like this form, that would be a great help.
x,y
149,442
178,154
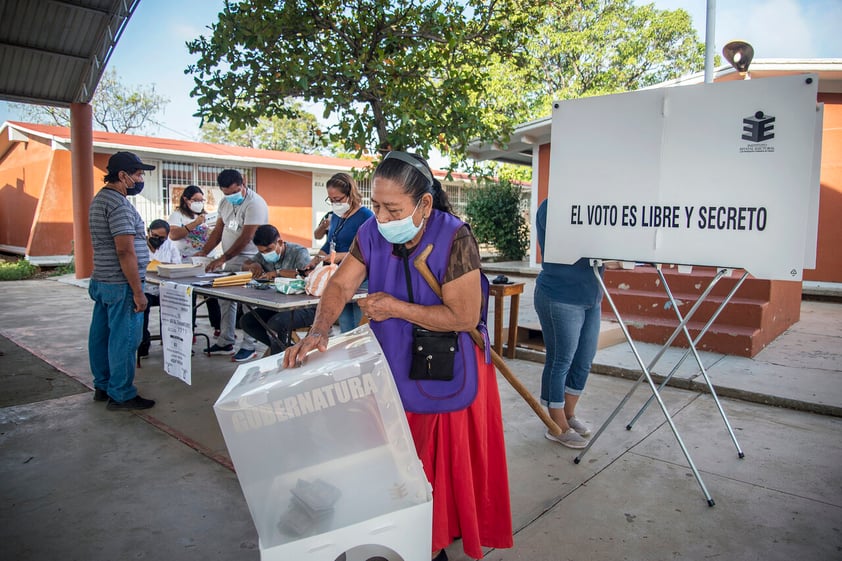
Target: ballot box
x,y
325,457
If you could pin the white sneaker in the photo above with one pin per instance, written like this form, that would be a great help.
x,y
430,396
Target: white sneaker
x,y
571,439
579,426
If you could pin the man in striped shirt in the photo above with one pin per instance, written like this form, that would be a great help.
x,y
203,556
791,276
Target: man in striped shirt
x,y
116,286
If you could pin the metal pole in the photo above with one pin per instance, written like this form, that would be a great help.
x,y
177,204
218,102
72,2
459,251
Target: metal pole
x,y
710,40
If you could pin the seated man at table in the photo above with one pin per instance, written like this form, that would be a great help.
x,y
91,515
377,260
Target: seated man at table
x,y
275,258
161,250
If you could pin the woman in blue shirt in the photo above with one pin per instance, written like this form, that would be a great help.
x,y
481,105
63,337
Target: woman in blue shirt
x,y
348,215
568,299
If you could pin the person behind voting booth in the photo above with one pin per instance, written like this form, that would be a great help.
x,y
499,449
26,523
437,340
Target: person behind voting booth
x,y
189,231
453,408
162,250
348,215
120,256
568,300
240,213
276,258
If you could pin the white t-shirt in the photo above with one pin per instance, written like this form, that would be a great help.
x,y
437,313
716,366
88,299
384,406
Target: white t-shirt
x,y
194,241
252,211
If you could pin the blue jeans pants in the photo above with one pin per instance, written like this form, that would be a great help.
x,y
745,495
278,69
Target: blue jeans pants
x,y
113,339
351,314
571,335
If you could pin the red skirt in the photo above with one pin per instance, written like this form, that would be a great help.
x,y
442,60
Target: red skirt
x,y
464,458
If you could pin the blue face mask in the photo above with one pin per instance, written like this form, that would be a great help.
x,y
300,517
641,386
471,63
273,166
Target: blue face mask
x,y
135,189
400,231
235,199
271,256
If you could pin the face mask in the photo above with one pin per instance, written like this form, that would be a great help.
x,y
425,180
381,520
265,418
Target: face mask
x,y
235,199
271,256
156,242
135,189
197,207
400,231
339,209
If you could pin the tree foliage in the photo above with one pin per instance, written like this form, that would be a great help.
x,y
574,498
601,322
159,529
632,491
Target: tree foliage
x,y
393,75
299,134
116,107
596,47
496,218
424,74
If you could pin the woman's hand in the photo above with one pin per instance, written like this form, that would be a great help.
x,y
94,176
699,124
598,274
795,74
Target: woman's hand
x,y
295,355
379,306
198,221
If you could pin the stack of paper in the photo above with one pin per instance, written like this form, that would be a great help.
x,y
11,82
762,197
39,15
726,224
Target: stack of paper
x,y
171,271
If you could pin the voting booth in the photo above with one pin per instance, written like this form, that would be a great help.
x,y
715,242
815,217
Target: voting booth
x,y
325,457
723,175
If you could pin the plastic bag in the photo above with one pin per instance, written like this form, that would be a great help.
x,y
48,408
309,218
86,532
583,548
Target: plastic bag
x,y
318,278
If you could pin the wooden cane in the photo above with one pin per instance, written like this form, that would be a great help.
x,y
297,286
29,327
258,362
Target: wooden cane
x,y
420,263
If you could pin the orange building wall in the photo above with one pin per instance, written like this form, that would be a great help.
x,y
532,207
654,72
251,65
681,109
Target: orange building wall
x,y
36,203
22,175
290,199
52,229
828,254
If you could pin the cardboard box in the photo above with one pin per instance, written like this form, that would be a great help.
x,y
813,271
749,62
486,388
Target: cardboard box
x,y
325,457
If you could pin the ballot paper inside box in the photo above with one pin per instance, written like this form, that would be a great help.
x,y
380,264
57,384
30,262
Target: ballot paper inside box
x,y
325,458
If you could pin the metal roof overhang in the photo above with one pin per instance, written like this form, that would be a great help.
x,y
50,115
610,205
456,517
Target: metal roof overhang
x,y
54,52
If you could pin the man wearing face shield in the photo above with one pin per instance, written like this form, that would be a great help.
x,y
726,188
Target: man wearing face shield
x,y
121,255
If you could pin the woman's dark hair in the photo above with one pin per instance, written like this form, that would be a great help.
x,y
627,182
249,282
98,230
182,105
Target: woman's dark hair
x,y
158,223
346,184
188,193
416,178
265,235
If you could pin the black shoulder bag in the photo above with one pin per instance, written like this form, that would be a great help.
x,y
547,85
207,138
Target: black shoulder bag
x,y
433,352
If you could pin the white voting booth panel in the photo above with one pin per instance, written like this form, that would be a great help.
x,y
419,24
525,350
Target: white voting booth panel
x,y
721,174
325,456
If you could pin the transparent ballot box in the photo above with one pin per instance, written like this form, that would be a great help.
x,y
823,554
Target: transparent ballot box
x,y
325,457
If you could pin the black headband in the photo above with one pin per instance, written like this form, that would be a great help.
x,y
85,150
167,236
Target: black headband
x,y
414,162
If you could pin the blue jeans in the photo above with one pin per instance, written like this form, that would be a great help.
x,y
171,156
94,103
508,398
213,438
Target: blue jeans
x,y
571,335
350,317
113,339
351,314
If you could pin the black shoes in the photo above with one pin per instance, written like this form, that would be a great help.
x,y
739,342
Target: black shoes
x,y
100,395
216,348
132,404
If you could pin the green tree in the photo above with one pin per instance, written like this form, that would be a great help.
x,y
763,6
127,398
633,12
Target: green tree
x,y
408,75
596,47
496,218
115,107
300,134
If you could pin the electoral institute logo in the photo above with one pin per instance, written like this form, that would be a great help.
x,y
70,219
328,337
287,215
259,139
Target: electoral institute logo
x,y
758,131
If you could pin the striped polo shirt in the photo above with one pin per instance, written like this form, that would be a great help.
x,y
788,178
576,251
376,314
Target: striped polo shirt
x,y
111,214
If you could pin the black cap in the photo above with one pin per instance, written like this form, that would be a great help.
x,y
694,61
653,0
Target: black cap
x,y
126,161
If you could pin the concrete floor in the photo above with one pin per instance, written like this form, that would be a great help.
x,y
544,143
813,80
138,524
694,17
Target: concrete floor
x,y
81,482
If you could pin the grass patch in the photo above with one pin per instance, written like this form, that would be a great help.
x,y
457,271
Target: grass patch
x,y
17,270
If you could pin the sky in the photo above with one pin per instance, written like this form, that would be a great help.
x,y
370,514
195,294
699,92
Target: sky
x,y
152,48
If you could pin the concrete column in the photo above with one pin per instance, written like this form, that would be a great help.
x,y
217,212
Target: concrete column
x,y
82,165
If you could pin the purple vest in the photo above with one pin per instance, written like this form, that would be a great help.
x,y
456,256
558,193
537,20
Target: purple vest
x,y
386,273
